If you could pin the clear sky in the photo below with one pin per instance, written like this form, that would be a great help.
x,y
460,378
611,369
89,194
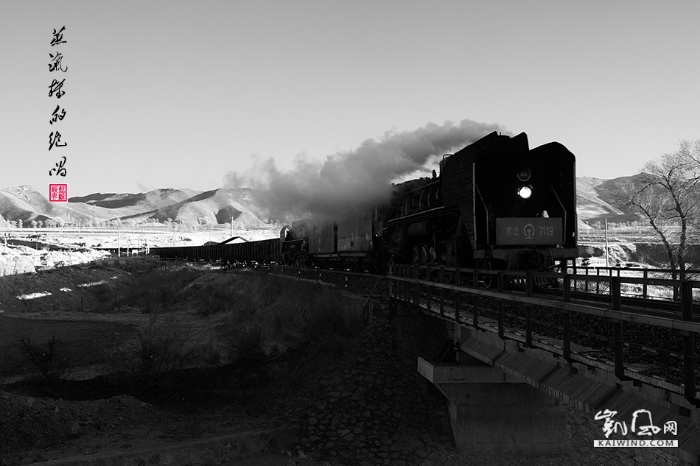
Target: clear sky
x,y
178,93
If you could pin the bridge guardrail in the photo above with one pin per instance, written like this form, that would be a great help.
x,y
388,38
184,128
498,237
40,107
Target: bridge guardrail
x,y
649,277
409,286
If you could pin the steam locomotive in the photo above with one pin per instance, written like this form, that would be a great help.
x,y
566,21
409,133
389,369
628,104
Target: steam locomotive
x,y
496,204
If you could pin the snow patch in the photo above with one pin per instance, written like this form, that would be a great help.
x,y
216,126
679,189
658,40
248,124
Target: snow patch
x,y
33,295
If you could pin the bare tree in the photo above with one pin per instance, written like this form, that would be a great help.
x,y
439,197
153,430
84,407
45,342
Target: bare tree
x,y
667,195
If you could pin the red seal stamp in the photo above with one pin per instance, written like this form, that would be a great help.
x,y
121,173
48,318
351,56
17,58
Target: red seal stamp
x,y
58,193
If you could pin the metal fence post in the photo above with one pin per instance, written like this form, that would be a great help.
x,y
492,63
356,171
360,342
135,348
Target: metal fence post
x,y
458,298
407,291
688,343
429,307
501,330
528,310
566,287
566,314
676,292
391,282
416,287
615,293
618,342
442,293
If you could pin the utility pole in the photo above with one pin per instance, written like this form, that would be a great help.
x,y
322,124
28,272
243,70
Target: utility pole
x,y
607,263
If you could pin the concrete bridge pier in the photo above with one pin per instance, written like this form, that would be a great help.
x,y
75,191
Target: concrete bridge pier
x,y
494,413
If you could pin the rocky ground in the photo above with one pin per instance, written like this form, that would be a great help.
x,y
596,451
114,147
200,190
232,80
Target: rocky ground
x,y
369,407
365,406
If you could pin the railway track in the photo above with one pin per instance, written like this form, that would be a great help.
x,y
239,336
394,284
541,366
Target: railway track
x,y
651,346
647,306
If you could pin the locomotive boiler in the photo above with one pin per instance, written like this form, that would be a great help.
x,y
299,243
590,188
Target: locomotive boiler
x,y
497,204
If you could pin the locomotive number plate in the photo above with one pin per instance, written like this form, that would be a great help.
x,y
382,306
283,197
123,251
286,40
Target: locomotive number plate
x,y
525,231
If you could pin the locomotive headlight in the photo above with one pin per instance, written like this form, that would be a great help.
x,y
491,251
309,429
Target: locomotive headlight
x,y
524,174
525,192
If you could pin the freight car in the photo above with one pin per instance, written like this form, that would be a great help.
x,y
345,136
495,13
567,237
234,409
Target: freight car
x,y
265,251
346,244
496,205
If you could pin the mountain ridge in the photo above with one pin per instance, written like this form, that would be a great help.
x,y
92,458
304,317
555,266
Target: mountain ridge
x,y
597,200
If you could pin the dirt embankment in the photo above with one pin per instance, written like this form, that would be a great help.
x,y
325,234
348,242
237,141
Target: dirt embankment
x,y
361,407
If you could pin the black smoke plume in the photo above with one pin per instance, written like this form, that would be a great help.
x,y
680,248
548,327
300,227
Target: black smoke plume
x,y
356,180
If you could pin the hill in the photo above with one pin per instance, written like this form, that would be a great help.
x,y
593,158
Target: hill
x,y
597,200
151,199
218,206
24,203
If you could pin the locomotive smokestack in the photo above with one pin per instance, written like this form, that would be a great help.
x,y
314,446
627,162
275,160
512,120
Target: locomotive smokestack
x,y
355,180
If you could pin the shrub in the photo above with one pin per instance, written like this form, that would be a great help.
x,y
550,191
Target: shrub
x,y
272,312
50,363
245,293
167,346
158,289
244,342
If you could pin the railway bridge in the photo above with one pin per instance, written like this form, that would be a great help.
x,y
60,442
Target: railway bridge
x,y
525,346
520,356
